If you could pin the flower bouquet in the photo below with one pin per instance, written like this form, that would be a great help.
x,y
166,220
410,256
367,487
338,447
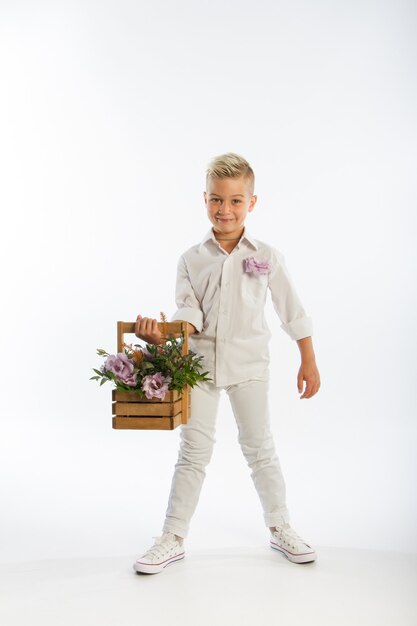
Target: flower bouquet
x,y
151,383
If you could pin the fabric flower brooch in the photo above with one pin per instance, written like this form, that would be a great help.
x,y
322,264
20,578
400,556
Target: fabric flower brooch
x,y
257,266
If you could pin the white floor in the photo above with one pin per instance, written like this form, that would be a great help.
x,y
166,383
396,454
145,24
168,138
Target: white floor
x,y
235,586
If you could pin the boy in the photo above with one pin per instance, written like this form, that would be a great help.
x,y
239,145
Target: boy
x,y
221,288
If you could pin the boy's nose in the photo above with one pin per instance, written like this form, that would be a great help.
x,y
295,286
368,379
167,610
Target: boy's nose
x,y
223,209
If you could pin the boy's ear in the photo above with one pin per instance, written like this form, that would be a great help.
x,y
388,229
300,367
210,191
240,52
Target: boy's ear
x,y
252,203
205,197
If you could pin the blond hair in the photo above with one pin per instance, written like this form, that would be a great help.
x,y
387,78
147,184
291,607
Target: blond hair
x,y
231,165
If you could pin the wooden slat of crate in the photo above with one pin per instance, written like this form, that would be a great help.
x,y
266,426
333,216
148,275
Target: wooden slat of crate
x,y
130,396
153,409
147,423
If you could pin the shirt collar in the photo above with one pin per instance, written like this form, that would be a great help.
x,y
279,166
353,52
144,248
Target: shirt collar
x,y
245,238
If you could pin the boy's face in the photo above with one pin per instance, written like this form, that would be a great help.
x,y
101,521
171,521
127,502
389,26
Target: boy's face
x,y
228,201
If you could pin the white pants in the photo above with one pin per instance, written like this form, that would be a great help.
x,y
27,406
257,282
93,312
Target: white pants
x,y
249,401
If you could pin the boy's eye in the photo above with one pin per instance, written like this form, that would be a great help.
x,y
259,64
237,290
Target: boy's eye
x,y
236,201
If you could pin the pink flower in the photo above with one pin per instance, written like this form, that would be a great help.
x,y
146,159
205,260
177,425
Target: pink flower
x,y
155,385
121,367
130,379
257,266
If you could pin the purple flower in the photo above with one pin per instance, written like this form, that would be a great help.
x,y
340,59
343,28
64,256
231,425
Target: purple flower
x,y
121,367
257,266
130,379
155,385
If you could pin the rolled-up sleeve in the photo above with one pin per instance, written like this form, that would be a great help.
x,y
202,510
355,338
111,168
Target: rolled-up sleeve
x,y
286,302
189,309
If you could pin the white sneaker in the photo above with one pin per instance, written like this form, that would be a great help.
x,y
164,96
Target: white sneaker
x,y
166,549
286,540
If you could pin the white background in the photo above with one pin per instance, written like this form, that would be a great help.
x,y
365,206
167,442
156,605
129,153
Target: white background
x,y
110,112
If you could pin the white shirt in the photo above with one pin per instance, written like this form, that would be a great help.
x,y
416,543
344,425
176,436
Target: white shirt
x,y
226,305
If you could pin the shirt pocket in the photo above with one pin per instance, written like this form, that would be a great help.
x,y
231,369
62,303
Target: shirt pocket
x,y
254,288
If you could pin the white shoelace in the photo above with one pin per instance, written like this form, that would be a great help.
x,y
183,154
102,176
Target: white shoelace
x,y
287,534
160,548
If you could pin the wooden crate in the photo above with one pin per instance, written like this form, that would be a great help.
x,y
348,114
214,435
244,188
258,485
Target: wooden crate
x,y
130,412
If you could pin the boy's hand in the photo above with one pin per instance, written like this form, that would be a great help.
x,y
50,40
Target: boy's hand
x,y
309,373
147,329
